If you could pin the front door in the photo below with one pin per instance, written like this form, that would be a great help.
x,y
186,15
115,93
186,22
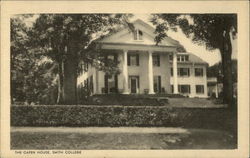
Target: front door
x,y
133,85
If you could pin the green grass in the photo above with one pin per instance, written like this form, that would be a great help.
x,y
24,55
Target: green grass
x,y
193,139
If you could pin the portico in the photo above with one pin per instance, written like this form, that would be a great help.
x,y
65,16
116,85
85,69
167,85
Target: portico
x,y
142,74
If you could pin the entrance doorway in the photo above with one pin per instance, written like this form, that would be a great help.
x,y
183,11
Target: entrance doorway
x,y
134,84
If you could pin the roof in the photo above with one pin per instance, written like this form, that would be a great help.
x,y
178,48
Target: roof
x,y
167,41
195,59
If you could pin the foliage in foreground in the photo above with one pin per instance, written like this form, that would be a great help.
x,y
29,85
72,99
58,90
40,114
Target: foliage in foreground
x,y
82,116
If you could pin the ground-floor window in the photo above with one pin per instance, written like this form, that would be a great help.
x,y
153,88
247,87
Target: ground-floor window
x,y
199,89
89,84
157,84
181,88
184,88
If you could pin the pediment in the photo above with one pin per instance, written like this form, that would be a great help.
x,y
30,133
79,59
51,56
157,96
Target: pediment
x,y
126,36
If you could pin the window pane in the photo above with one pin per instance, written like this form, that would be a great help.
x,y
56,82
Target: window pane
x,y
183,71
199,89
155,84
198,72
133,60
156,60
170,57
135,35
178,58
184,88
140,34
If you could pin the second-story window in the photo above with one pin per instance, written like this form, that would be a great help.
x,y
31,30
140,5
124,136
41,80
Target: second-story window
x,y
184,72
170,57
138,34
198,72
133,59
110,58
156,60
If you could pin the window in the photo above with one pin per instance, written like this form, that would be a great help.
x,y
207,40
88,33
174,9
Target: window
x,y
109,58
184,88
91,85
133,59
198,71
170,57
138,34
157,84
180,58
183,72
156,60
199,89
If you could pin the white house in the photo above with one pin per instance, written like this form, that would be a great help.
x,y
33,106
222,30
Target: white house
x,y
146,67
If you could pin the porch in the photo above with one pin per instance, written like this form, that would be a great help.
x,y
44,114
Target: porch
x,y
144,70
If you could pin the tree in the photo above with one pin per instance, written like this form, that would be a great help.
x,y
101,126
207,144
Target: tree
x,y
215,71
66,40
215,31
30,79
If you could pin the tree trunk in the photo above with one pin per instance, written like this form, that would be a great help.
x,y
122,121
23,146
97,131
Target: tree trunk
x,y
70,74
226,53
60,94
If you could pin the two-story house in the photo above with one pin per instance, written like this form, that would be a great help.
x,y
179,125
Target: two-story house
x,y
147,67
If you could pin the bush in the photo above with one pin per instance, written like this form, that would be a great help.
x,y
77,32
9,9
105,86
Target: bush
x,y
114,116
126,100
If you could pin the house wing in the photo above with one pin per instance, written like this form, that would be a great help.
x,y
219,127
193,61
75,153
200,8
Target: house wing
x,y
126,36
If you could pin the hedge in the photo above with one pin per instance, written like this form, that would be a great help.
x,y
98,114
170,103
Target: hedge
x,y
114,116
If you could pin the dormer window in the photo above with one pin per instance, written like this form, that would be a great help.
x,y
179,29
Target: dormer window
x,y
138,34
180,58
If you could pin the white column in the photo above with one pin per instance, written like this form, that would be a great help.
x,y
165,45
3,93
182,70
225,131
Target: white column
x,y
150,74
175,80
125,72
216,90
97,81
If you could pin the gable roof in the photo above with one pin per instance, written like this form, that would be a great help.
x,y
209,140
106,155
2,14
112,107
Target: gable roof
x,y
147,29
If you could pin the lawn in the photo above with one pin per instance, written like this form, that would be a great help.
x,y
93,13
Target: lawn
x,y
189,139
150,100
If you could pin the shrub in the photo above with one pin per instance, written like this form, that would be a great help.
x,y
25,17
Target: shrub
x,y
113,116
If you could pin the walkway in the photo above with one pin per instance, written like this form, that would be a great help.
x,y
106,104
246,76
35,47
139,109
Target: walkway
x,y
99,129
120,138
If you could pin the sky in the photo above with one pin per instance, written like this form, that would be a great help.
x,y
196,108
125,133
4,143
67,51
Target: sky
x,y
212,57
